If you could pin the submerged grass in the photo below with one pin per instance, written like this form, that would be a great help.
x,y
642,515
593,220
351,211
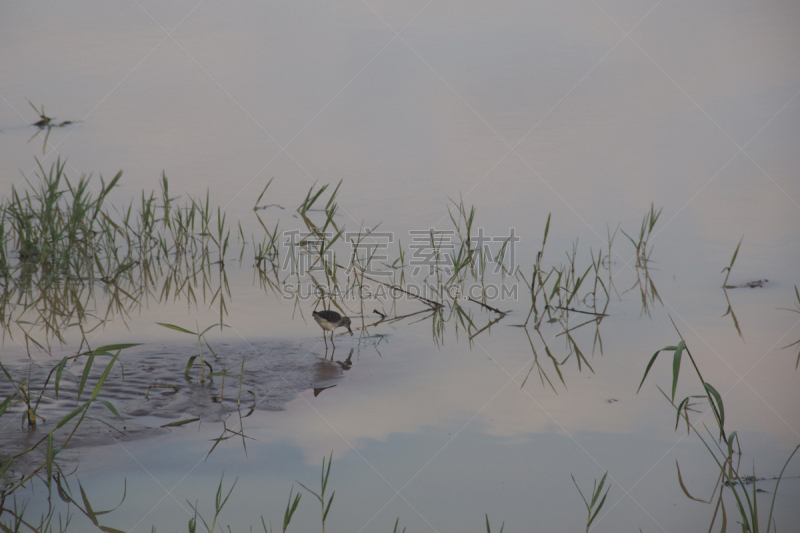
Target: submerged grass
x,y
219,503
16,518
324,478
728,268
200,338
641,241
593,507
22,394
724,448
157,249
58,242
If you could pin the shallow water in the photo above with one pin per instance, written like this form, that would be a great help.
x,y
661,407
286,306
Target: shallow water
x,y
587,112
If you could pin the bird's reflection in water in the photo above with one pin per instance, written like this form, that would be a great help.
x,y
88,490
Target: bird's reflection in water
x,y
346,364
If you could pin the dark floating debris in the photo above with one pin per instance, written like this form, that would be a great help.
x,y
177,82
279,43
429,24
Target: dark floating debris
x,y
612,400
750,480
757,284
48,122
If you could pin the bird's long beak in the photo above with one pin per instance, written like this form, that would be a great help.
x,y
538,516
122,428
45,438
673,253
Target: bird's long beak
x,y
351,331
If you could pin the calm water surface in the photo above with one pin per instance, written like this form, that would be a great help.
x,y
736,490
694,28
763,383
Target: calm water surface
x,y
590,112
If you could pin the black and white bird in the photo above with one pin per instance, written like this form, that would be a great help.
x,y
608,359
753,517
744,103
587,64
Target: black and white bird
x,y
329,321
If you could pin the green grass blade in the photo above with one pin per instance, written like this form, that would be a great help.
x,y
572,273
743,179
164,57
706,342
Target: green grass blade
x,y
49,456
177,328
189,365
7,402
72,415
291,507
106,372
719,409
328,508
555,285
326,474
580,492
333,195
755,501
211,327
59,371
546,229
5,465
88,507
109,348
681,407
262,193
676,367
650,365
733,260
317,496
599,506
86,369
111,408
599,489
